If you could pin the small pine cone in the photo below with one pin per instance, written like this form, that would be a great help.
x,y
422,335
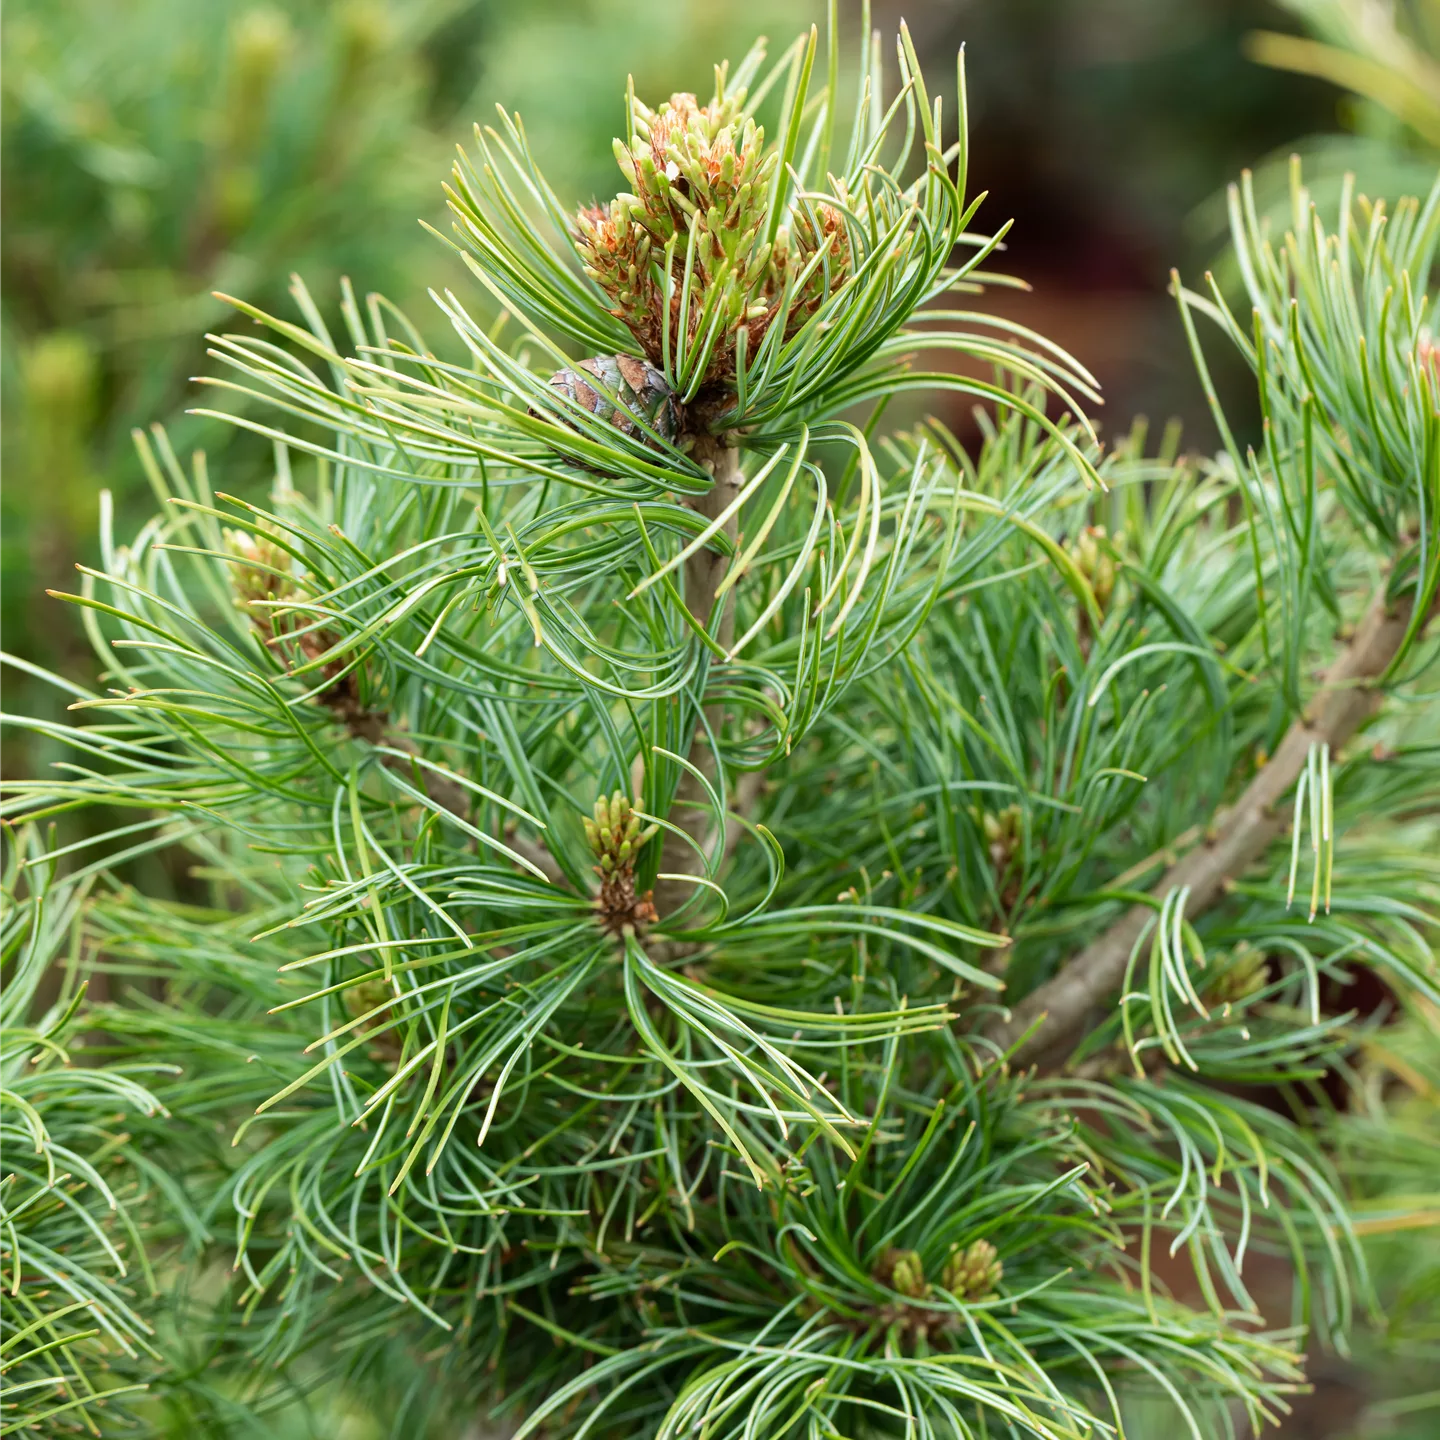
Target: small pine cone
x,y
972,1273
641,389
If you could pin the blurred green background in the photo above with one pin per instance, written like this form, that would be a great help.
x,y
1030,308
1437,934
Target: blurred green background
x,y
154,151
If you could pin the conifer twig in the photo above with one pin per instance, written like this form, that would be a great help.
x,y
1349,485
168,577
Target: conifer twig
x,y
703,572
1240,835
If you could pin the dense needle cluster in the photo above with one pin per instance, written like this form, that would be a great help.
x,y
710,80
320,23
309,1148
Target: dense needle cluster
x,y
687,912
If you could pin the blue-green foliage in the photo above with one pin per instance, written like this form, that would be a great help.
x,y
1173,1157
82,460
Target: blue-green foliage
x,y
748,1162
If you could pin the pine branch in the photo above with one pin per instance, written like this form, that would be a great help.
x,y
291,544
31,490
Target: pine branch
x,y
1239,837
703,573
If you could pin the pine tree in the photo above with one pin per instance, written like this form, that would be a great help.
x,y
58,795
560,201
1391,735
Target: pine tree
x,y
732,919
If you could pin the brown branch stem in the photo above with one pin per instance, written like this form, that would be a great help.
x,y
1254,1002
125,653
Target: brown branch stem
x,y
1238,837
703,573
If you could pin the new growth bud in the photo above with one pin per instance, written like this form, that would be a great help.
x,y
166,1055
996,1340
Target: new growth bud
x,y
972,1273
907,1275
1094,557
1002,830
1094,560
370,1004
262,572
616,836
703,183
904,1272
1237,976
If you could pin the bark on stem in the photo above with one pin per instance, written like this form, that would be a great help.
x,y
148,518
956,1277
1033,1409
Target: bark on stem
x,y
1240,836
703,573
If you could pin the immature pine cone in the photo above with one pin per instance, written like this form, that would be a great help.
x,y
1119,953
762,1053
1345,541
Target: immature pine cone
x,y
639,387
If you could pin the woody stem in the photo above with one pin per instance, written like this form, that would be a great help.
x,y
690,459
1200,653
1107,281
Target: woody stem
x,y
1240,836
703,573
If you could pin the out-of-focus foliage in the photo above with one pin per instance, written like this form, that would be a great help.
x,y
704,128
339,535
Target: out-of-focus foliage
x,y
75,1349
1385,54
594,45
189,149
